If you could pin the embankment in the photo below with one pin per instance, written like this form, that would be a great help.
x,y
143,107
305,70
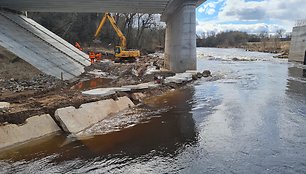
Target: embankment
x,y
73,120
281,47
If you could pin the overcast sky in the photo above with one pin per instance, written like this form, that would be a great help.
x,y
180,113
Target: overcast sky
x,y
252,16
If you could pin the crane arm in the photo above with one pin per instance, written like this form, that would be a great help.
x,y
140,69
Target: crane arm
x,y
100,26
114,25
118,31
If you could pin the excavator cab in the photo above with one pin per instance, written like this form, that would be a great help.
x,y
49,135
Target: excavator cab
x,y
118,50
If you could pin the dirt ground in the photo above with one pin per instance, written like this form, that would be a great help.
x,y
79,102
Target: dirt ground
x,y
30,92
14,67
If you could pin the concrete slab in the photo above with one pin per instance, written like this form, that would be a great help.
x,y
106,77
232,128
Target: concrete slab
x,y
136,87
297,45
142,86
101,92
104,92
4,105
121,89
93,6
75,120
98,73
179,78
35,127
40,47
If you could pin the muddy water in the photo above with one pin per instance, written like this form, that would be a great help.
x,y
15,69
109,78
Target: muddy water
x,y
250,117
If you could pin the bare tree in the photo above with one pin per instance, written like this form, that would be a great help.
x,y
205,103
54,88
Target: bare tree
x,y
264,37
144,21
280,33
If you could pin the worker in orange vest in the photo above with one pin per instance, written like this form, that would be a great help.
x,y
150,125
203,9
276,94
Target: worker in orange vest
x,y
98,57
92,57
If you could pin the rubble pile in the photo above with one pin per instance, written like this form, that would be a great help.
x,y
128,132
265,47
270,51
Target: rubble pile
x,y
39,82
131,73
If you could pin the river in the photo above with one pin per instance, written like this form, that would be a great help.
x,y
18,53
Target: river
x,y
250,117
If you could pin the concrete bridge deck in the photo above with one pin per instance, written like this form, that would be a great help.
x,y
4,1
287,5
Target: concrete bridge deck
x,y
40,47
90,6
179,15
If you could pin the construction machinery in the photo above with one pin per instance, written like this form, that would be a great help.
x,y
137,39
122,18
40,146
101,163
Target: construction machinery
x,y
121,53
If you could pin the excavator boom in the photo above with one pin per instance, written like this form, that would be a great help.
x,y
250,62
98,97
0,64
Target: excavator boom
x,y
118,31
120,51
100,27
114,25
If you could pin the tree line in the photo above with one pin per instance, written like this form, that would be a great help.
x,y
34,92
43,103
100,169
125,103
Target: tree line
x,y
141,30
238,38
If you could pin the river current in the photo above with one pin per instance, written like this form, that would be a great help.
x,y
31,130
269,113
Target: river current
x,y
250,117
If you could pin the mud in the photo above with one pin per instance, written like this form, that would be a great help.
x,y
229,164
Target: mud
x,y
34,93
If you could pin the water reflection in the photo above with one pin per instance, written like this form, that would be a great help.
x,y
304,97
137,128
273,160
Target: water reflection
x,y
251,119
297,81
164,135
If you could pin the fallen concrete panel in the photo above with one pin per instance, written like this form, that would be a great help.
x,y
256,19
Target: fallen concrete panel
x,y
104,92
136,87
35,127
40,47
75,120
101,92
142,86
180,78
4,105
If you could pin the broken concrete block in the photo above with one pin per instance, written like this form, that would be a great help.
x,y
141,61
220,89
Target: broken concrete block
x,y
137,87
101,92
104,92
124,103
180,78
35,127
75,120
138,96
4,105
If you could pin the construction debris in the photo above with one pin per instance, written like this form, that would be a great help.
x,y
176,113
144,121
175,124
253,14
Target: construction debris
x,y
39,93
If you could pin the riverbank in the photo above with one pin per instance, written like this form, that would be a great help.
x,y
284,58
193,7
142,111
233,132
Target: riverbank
x,y
28,97
35,96
279,47
248,118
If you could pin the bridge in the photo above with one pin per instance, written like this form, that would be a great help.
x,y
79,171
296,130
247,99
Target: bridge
x,y
179,15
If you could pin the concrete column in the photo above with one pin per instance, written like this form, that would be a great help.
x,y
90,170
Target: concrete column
x,y
180,46
298,44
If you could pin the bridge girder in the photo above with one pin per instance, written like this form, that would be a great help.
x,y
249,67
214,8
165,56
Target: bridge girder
x,y
93,6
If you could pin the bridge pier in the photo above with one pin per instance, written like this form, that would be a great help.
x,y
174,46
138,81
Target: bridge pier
x,y
180,46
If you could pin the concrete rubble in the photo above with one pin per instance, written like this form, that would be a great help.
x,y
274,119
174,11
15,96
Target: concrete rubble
x,y
39,82
75,120
35,44
4,105
179,78
35,127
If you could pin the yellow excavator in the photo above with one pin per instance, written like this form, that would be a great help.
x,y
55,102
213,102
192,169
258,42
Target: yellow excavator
x,y
121,52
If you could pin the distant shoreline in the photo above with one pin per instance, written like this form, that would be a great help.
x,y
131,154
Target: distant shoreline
x,y
281,48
